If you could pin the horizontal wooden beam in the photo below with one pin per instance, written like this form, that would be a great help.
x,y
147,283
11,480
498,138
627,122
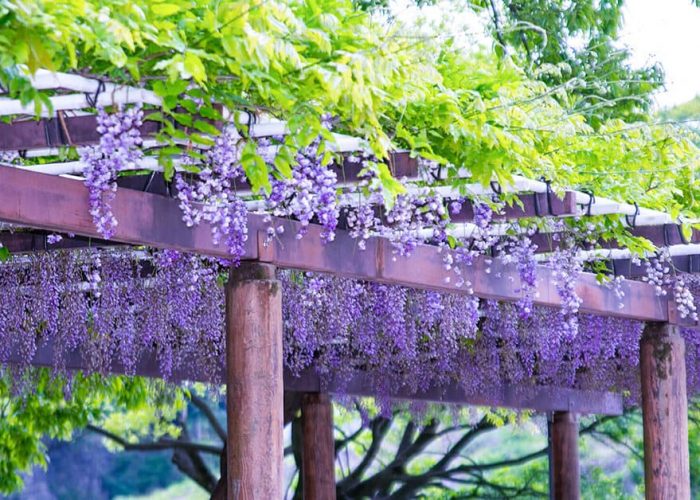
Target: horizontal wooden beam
x,y
49,132
531,205
61,205
539,398
425,269
628,269
661,235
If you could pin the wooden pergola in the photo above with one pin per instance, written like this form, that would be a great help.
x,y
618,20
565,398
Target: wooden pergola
x,y
255,377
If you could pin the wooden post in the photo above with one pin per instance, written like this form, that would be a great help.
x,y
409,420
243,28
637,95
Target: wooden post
x,y
255,392
563,456
318,447
665,413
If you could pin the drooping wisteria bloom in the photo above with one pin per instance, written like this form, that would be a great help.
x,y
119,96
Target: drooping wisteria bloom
x,y
116,307
119,149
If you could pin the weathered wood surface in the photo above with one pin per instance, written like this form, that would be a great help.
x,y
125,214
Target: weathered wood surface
x,y
318,447
665,413
254,381
565,474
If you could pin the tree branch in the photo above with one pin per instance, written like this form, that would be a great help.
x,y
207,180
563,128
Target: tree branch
x,y
209,414
380,427
161,444
190,463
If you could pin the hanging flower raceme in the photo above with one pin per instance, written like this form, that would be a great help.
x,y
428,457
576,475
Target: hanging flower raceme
x,y
119,149
310,195
120,306
211,196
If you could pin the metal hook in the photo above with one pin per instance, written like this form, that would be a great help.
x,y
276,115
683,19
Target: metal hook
x,y
591,201
47,135
549,191
667,233
633,223
92,98
252,119
148,183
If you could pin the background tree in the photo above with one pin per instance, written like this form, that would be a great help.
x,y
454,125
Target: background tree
x,y
574,45
449,453
41,404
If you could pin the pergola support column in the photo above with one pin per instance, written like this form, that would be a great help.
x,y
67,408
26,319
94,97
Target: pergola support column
x,y
318,447
665,412
563,456
255,392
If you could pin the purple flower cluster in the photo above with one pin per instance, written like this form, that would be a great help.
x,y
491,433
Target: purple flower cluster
x,y
118,306
211,196
310,195
566,267
115,307
521,251
119,149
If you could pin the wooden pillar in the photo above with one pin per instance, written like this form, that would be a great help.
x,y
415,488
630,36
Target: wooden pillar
x,y
665,413
255,392
318,447
563,456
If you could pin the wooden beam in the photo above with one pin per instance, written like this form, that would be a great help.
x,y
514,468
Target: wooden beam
x,y
254,383
539,398
563,457
61,205
661,235
318,447
425,269
49,132
681,264
532,205
665,413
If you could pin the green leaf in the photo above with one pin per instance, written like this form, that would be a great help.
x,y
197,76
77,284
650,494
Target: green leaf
x,y
687,231
206,127
195,67
165,9
255,168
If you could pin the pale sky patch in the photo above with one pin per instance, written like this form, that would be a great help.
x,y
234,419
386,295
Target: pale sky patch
x,y
657,31
667,32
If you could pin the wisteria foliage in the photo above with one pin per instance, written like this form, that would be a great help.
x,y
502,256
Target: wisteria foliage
x,y
119,308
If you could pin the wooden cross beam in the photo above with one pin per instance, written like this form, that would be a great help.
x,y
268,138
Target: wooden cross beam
x,y
539,398
61,205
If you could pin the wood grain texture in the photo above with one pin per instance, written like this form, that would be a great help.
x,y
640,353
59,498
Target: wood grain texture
x,y
665,413
255,401
318,447
564,467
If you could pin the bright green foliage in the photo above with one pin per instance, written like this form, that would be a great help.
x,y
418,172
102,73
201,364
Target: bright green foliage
x,y
694,446
573,44
37,408
299,59
488,116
